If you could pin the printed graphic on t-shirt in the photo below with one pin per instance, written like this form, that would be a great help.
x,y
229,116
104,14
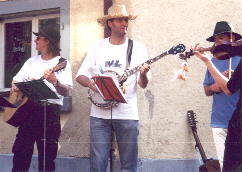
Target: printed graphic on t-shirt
x,y
113,63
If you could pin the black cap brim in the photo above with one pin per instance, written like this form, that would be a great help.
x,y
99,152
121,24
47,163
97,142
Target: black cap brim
x,y
36,33
41,34
237,36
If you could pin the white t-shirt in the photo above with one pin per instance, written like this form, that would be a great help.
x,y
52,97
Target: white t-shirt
x,y
106,56
34,68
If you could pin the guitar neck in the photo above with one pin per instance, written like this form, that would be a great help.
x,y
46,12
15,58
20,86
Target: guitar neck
x,y
136,69
199,145
57,68
43,77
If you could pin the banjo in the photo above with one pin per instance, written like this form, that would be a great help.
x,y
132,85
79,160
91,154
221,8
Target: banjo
x,y
98,100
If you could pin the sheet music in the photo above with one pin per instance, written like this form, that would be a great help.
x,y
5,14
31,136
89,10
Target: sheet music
x,y
109,88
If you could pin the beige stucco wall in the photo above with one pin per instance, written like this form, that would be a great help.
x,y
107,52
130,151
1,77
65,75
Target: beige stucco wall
x,y
164,132
84,32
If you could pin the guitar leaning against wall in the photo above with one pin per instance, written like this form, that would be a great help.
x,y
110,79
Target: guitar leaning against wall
x,y
12,115
209,165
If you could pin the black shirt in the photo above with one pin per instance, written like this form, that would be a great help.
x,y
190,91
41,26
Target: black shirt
x,y
233,144
235,84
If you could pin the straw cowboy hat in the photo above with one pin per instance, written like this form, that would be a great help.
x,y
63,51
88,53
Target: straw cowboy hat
x,y
115,11
223,27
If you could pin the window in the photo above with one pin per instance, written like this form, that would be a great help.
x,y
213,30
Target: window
x,y
17,48
18,43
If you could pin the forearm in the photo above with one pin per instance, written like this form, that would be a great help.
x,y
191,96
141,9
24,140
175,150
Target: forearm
x,y
208,91
85,82
219,78
61,88
143,80
212,89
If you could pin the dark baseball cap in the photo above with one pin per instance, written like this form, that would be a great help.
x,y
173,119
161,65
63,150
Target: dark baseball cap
x,y
49,32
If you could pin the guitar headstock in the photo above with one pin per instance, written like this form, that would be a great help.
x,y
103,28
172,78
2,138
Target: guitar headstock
x,y
177,49
191,119
59,66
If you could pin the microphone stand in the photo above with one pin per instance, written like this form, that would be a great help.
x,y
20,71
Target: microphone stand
x,y
112,150
44,102
39,92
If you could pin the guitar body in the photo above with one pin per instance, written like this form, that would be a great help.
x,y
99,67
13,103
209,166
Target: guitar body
x,y
11,115
210,166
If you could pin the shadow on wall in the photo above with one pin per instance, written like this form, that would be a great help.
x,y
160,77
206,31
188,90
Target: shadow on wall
x,y
74,140
150,97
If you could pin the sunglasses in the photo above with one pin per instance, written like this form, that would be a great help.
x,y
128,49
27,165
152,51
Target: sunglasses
x,y
39,37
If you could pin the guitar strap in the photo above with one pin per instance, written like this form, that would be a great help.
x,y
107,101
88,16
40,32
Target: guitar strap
x,y
129,53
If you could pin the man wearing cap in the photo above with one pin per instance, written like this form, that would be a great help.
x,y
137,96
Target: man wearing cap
x,y
111,54
33,128
223,106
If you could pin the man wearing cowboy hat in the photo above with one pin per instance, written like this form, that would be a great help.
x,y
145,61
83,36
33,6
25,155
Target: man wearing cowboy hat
x,y
223,106
111,54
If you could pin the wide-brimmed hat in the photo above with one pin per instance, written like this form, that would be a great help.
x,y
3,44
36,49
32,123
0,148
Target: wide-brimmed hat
x,y
49,32
116,11
223,27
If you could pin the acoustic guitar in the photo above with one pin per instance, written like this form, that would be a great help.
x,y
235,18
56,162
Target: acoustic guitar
x,y
13,116
209,165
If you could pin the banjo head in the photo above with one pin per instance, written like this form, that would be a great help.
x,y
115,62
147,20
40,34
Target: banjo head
x,y
97,99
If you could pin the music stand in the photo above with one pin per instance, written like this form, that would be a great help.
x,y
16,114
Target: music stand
x,y
110,91
39,92
36,90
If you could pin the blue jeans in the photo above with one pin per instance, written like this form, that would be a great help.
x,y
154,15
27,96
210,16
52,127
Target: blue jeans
x,y
126,132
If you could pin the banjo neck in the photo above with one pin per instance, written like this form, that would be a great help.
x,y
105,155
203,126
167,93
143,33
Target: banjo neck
x,y
98,100
130,72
